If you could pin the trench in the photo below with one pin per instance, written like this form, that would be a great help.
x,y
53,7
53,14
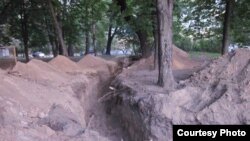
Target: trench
x,y
97,115
109,110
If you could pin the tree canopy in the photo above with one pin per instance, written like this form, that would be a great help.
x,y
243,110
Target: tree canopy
x,y
81,25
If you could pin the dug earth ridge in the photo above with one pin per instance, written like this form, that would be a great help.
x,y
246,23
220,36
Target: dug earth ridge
x,y
218,94
56,101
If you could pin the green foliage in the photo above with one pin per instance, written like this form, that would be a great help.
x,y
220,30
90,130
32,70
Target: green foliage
x,y
240,29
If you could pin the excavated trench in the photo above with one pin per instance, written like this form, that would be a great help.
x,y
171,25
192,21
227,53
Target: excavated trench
x,y
124,105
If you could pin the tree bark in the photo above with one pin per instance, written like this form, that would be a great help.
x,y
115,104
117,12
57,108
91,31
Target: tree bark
x,y
226,27
58,30
165,19
24,28
144,43
87,42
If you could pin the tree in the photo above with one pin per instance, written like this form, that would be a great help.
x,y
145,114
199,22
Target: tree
x,y
111,35
138,15
165,19
58,29
24,12
226,27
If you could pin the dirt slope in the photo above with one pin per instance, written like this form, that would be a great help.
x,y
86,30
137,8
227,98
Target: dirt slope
x,y
64,64
39,71
39,101
219,94
181,60
90,61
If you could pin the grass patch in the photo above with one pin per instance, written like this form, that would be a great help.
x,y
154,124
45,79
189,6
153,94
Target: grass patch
x,y
210,55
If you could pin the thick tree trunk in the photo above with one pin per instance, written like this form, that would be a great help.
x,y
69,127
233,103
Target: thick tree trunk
x,y
62,46
225,40
144,43
165,77
24,28
108,49
109,42
87,45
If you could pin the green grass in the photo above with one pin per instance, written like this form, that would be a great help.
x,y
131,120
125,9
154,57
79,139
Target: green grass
x,y
210,55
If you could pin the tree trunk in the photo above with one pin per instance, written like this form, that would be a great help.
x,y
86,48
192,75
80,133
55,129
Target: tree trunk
x,y
56,50
109,42
87,43
144,43
53,44
24,28
62,51
226,27
94,38
110,39
165,19
70,50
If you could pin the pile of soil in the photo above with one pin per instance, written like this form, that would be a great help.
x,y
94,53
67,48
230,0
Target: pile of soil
x,y
181,60
219,94
97,63
25,104
232,68
64,64
39,71
39,101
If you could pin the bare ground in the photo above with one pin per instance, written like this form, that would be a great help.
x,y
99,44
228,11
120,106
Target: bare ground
x,y
216,94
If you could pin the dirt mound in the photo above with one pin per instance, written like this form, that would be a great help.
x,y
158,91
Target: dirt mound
x,y
179,52
232,68
39,70
97,63
219,94
40,102
64,64
181,60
